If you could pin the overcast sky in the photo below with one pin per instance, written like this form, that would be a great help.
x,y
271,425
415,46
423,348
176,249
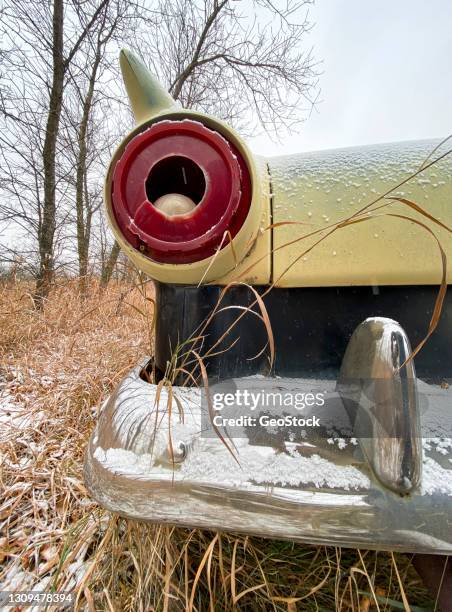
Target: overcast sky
x,y
387,74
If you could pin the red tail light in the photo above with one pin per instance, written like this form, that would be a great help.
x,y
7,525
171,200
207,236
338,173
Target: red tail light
x,y
187,158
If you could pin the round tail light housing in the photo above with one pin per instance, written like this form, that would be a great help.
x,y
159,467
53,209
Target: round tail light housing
x,y
181,157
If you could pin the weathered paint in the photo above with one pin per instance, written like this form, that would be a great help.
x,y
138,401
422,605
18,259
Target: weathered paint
x,y
147,97
319,189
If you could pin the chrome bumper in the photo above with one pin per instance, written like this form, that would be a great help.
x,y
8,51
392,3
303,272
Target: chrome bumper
x,y
387,486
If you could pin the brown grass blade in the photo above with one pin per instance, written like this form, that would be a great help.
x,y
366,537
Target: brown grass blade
x,y
421,211
210,406
207,554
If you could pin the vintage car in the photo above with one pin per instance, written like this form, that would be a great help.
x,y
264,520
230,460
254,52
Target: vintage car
x,y
315,280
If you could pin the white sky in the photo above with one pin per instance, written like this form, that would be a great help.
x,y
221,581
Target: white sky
x,y
387,74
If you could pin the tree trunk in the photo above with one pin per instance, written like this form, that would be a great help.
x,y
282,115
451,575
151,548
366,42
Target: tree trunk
x,y
48,222
81,199
84,252
109,266
46,232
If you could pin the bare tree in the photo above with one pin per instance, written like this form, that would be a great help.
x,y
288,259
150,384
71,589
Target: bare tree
x,y
90,142
214,58
43,54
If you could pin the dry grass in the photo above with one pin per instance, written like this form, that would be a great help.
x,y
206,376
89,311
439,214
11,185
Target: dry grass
x,y
56,367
